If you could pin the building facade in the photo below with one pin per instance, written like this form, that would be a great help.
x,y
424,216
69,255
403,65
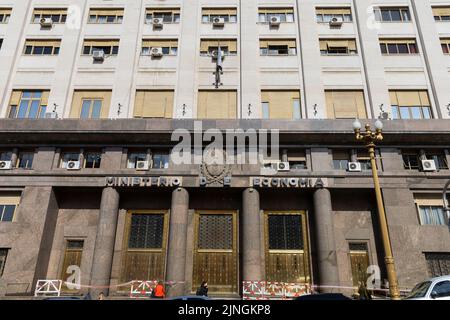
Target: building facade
x,y
93,92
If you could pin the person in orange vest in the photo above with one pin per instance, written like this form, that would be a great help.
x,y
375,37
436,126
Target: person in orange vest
x,y
158,291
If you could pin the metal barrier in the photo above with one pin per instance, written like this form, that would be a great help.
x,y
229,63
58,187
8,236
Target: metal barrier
x,y
264,290
142,289
48,288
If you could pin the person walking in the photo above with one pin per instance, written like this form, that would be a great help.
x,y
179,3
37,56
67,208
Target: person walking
x,y
158,291
203,289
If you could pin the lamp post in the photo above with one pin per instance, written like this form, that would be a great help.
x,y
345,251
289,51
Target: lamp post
x,y
369,138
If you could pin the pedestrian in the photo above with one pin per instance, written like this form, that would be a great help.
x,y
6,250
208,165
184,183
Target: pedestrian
x,y
203,289
158,291
101,296
363,292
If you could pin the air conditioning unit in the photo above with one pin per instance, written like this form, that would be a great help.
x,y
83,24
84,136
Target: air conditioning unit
x,y
218,22
336,22
429,165
46,22
51,115
385,115
275,21
142,165
156,52
157,22
283,166
354,167
98,55
5,165
73,165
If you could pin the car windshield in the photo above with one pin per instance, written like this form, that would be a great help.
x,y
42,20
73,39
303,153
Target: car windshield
x,y
420,290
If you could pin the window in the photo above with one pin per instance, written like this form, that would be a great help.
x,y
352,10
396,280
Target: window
x,y
90,104
7,212
168,15
345,104
105,16
277,47
341,158
56,15
28,104
338,46
324,15
441,13
413,105
297,160
109,47
283,14
430,209
412,159
5,155
25,160
134,157
153,104
281,104
68,156
146,231
362,156
445,44
92,159
1,43
42,47
285,232
160,160
398,46
3,255
208,47
438,263
392,14
9,202
228,14
169,47
5,14
217,104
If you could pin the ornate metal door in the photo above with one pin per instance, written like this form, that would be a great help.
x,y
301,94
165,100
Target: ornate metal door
x,y
359,260
286,247
215,251
72,257
145,246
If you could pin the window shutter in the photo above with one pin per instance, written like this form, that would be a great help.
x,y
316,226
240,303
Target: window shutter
x,y
139,104
160,43
345,104
163,10
217,105
106,12
5,11
15,98
441,11
156,104
9,198
333,11
44,97
219,11
280,103
276,10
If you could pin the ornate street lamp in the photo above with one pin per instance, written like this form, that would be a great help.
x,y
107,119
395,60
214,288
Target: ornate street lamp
x,y
369,138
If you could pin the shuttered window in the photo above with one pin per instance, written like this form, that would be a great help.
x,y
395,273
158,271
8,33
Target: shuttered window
x,y
106,15
445,43
5,14
337,46
341,158
406,104
168,15
90,104
281,104
389,14
109,47
227,46
153,104
228,14
441,13
169,47
56,15
9,202
345,104
284,14
42,47
30,104
277,47
398,46
220,104
325,15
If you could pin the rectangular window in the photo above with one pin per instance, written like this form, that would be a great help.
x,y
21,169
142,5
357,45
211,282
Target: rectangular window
x,y
217,104
90,104
338,46
363,158
135,156
154,104
169,47
297,160
68,156
56,15
265,110
285,232
9,201
146,231
265,15
5,14
278,47
438,263
3,256
5,155
441,13
388,14
445,44
109,47
28,104
42,47
430,209
341,158
409,104
398,46
103,15
411,160
160,159
209,47
167,15
326,14
25,160
345,104
281,104
92,159
228,14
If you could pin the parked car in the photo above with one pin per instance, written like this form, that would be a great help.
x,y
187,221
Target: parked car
x,y
323,296
432,289
190,298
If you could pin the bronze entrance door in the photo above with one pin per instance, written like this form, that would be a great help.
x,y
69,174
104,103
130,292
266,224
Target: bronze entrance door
x,y
215,251
286,247
359,261
72,257
144,256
